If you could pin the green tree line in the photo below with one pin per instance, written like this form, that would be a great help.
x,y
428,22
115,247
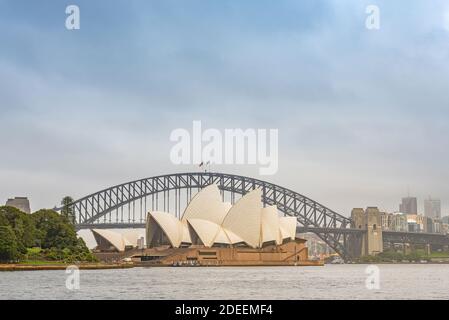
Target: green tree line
x,y
53,234
394,256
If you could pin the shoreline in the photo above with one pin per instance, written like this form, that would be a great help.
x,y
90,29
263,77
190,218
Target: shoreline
x,y
102,266
383,262
45,267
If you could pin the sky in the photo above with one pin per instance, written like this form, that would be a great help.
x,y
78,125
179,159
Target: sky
x,y
362,114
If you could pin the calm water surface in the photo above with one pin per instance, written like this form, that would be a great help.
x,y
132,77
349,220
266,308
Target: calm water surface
x,y
329,282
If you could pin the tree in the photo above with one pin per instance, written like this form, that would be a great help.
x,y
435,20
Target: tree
x,y
47,229
8,245
54,230
3,220
22,225
67,210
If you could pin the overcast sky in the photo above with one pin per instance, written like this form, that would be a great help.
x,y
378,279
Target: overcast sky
x,y
363,116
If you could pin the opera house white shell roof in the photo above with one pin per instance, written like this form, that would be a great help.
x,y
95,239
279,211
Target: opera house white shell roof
x,y
209,221
119,240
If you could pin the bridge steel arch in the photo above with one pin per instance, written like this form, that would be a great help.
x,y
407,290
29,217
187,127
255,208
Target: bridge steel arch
x,y
330,226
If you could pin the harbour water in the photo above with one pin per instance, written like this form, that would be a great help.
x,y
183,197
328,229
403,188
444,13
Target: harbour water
x,y
328,282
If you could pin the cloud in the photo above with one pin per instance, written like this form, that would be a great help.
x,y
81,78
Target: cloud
x,y
446,19
361,113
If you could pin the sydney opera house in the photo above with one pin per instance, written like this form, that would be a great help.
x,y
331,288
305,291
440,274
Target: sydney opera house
x,y
213,232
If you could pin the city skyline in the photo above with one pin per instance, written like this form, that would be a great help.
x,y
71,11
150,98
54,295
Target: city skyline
x,y
358,111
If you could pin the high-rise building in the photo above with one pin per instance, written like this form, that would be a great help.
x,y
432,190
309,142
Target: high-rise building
x,y
444,228
416,223
386,220
21,203
432,208
409,205
437,225
399,222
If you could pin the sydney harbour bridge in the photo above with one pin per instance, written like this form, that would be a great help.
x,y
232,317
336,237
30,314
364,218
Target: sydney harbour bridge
x,y
126,205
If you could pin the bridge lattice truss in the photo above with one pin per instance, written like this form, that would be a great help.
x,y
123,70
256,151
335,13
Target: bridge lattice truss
x,y
106,206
